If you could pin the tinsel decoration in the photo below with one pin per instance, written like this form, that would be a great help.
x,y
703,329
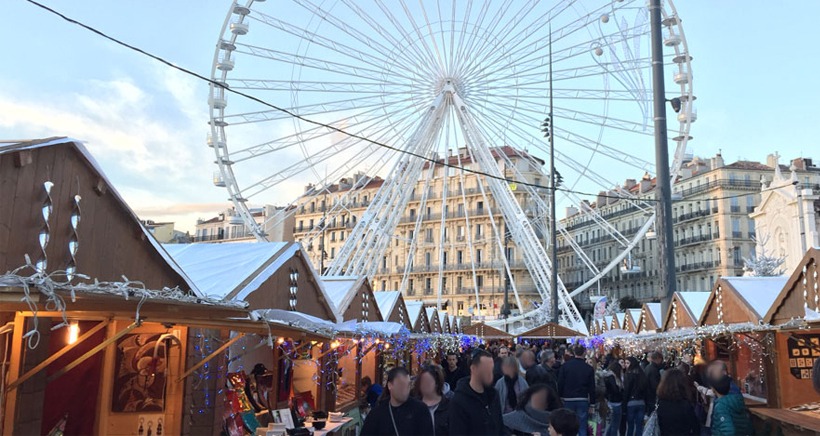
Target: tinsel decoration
x,y
73,241
45,231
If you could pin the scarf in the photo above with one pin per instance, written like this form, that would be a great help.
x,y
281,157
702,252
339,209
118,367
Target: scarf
x,y
512,397
528,420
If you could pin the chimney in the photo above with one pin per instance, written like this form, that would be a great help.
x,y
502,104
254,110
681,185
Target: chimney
x,y
308,187
629,183
717,161
771,160
799,164
601,200
646,183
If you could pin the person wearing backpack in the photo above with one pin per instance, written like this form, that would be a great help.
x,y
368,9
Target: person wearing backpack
x,y
636,393
613,380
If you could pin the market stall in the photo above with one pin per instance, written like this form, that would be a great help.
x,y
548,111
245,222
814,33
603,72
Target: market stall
x,y
732,327
650,320
548,333
391,305
792,401
354,301
685,310
435,321
486,332
632,318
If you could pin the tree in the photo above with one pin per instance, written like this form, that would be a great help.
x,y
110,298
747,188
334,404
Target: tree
x,y
764,264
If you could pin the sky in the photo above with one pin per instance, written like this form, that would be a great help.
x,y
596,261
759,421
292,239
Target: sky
x,y
755,69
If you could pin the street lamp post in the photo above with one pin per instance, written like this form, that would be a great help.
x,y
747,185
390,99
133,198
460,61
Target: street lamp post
x,y
663,190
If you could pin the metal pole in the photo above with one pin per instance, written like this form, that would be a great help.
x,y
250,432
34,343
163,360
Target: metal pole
x,y
553,233
505,310
663,191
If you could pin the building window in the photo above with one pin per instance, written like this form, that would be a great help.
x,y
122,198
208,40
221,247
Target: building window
x,y
384,285
478,256
427,259
444,257
332,236
480,207
332,252
459,257
429,284
479,281
301,225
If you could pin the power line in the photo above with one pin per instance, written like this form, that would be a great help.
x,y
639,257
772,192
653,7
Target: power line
x,y
290,113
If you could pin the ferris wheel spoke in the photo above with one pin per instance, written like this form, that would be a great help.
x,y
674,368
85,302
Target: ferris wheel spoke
x,y
427,55
319,157
319,64
522,53
336,47
384,88
509,34
411,54
317,132
324,108
403,58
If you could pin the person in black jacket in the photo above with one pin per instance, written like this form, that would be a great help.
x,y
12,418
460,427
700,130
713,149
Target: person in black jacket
x,y
676,404
576,386
503,351
534,373
636,392
653,376
453,371
398,414
613,380
475,409
429,388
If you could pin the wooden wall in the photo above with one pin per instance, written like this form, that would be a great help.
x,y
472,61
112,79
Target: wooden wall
x,y
111,242
274,293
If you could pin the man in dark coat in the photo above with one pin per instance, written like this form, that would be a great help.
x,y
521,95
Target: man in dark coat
x,y
653,373
475,409
400,415
453,372
548,362
576,386
534,373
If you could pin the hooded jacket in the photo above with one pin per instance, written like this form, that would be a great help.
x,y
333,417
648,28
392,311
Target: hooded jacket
x,y
473,413
730,417
527,421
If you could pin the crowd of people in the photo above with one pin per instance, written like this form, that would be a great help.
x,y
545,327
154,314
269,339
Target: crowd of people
x,y
504,389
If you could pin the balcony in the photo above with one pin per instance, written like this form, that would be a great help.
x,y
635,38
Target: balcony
x,y
737,235
691,215
693,240
734,209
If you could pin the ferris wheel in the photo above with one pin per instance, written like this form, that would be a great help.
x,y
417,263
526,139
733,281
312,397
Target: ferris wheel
x,y
400,90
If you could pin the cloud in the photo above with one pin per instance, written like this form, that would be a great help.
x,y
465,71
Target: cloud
x,y
149,138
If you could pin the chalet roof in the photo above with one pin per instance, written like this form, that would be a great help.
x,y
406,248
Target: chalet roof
x,y
483,330
386,300
342,290
754,295
551,330
802,289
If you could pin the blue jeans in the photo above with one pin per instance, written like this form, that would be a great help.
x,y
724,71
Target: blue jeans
x,y
615,412
634,419
581,409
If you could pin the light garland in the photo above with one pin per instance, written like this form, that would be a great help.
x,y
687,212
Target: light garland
x,y
48,285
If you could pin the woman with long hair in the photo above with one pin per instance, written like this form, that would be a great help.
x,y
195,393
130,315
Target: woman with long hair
x,y
676,404
429,388
614,382
532,412
636,392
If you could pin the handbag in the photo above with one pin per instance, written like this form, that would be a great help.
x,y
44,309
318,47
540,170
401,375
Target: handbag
x,y
651,428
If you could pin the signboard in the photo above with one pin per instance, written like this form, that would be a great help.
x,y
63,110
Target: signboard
x,y
803,350
600,309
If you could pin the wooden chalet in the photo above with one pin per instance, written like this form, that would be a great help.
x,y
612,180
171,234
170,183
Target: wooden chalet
x,y
685,310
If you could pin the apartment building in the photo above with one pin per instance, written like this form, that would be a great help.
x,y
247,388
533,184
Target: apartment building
x,y
227,226
713,231
452,227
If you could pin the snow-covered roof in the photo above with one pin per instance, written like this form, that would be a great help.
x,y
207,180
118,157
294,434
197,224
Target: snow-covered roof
x,y
759,292
432,315
370,327
621,318
298,319
655,311
444,319
341,290
608,321
695,301
386,300
635,314
231,271
414,310
78,145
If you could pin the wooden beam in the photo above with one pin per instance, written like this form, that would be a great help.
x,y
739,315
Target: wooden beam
x,y
210,356
91,352
42,365
10,400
